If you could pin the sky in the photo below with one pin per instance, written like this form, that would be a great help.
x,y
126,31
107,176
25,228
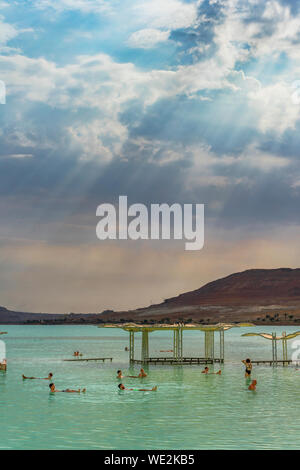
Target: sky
x,y
173,101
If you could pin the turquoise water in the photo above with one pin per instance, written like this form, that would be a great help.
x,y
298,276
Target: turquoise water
x,y
189,410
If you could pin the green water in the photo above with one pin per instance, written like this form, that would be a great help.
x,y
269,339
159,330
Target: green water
x,y
189,410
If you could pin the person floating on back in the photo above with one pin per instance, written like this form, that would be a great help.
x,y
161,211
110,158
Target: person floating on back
x,y
206,372
248,365
50,375
153,389
68,390
252,386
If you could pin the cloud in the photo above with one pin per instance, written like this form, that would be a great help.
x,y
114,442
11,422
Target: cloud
x,y
275,107
147,38
169,14
267,28
85,6
100,83
17,155
7,32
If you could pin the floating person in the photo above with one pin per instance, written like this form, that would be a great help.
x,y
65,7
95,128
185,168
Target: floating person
x,y
153,389
119,374
50,375
248,364
206,372
141,375
77,354
252,386
166,350
68,390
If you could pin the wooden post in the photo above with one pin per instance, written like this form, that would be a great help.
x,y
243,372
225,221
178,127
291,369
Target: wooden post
x,y
210,345
145,345
176,344
131,346
222,345
284,349
273,348
180,349
206,344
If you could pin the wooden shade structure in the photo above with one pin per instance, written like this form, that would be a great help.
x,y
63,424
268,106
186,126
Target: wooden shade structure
x,y
178,329
274,338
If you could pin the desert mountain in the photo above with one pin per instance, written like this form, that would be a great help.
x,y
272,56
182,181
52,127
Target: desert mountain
x,y
259,295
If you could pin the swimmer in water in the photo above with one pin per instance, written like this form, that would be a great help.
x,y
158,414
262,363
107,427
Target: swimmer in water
x,y
252,386
248,364
206,369
153,389
119,374
141,375
68,390
50,375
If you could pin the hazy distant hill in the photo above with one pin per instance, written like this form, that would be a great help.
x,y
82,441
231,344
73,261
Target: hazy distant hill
x,y
247,287
260,295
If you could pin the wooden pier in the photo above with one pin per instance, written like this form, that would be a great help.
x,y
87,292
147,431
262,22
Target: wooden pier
x,y
273,363
103,359
177,362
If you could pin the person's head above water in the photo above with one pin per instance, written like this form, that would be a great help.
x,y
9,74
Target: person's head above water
x,y
248,361
52,387
121,387
252,386
50,374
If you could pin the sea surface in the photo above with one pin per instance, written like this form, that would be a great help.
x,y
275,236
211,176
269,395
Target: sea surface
x,y
188,411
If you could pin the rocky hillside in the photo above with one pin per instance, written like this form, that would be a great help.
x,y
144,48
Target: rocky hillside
x,y
263,286
259,295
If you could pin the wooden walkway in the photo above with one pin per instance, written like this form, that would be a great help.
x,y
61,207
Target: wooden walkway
x,y
90,359
174,361
271,363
